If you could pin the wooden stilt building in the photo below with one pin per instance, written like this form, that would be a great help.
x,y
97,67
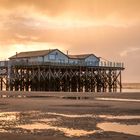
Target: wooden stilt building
x,y
52,70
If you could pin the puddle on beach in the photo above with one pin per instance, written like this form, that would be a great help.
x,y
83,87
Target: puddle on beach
x,y
94,116
40,124
72,116
40,121
119,117
67,131
118,99
121,128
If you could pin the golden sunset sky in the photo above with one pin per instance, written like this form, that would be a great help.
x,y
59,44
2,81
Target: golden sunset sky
x,y
107,28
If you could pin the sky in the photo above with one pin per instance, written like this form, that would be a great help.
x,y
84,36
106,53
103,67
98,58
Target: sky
x,y
107,28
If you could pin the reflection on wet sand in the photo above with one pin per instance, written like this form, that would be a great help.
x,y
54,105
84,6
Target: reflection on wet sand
x,y
118,99
39,121
67,132
94,116
122,128
39,124
8,116
71,115
2,130
119,117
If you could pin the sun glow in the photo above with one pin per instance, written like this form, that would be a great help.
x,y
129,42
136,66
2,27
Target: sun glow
x,y
12,49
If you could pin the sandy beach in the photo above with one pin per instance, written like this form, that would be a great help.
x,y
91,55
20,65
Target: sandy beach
x,y
61,116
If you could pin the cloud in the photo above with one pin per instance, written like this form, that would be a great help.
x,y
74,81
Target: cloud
x,y
68,21
132,66
129,51
126,9
108,28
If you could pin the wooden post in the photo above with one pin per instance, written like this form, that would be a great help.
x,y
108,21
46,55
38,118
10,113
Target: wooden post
x,y
1,86
64,78
120,81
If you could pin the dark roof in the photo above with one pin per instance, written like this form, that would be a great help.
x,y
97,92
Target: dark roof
x,y
32,54
46,52
81,56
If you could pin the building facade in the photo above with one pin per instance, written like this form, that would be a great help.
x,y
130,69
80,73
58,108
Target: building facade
x,y
55,56
40,56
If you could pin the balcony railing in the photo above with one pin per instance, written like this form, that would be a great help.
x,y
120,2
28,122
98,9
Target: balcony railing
x,y
90,64
111,64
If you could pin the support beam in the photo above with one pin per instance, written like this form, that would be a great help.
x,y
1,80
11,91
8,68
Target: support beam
x,y
63,78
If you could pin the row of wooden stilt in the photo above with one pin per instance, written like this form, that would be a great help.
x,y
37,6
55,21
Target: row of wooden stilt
x,y
66,79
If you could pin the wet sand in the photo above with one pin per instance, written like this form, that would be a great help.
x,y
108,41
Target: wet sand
x,y
68,114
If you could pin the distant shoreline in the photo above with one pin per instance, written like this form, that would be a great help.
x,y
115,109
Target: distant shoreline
x,y
131,85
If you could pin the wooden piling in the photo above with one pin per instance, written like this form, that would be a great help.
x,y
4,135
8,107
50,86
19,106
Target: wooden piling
x,y
66,78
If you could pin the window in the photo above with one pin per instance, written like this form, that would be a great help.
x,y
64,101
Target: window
x,y
52,57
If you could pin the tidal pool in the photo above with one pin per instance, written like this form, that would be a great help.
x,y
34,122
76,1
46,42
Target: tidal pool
x,y
69,132
121,128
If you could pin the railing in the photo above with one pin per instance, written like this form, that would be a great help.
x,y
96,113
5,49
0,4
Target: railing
x,y
111,64
95,64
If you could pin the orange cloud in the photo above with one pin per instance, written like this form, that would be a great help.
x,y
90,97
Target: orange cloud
x,y
107,28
